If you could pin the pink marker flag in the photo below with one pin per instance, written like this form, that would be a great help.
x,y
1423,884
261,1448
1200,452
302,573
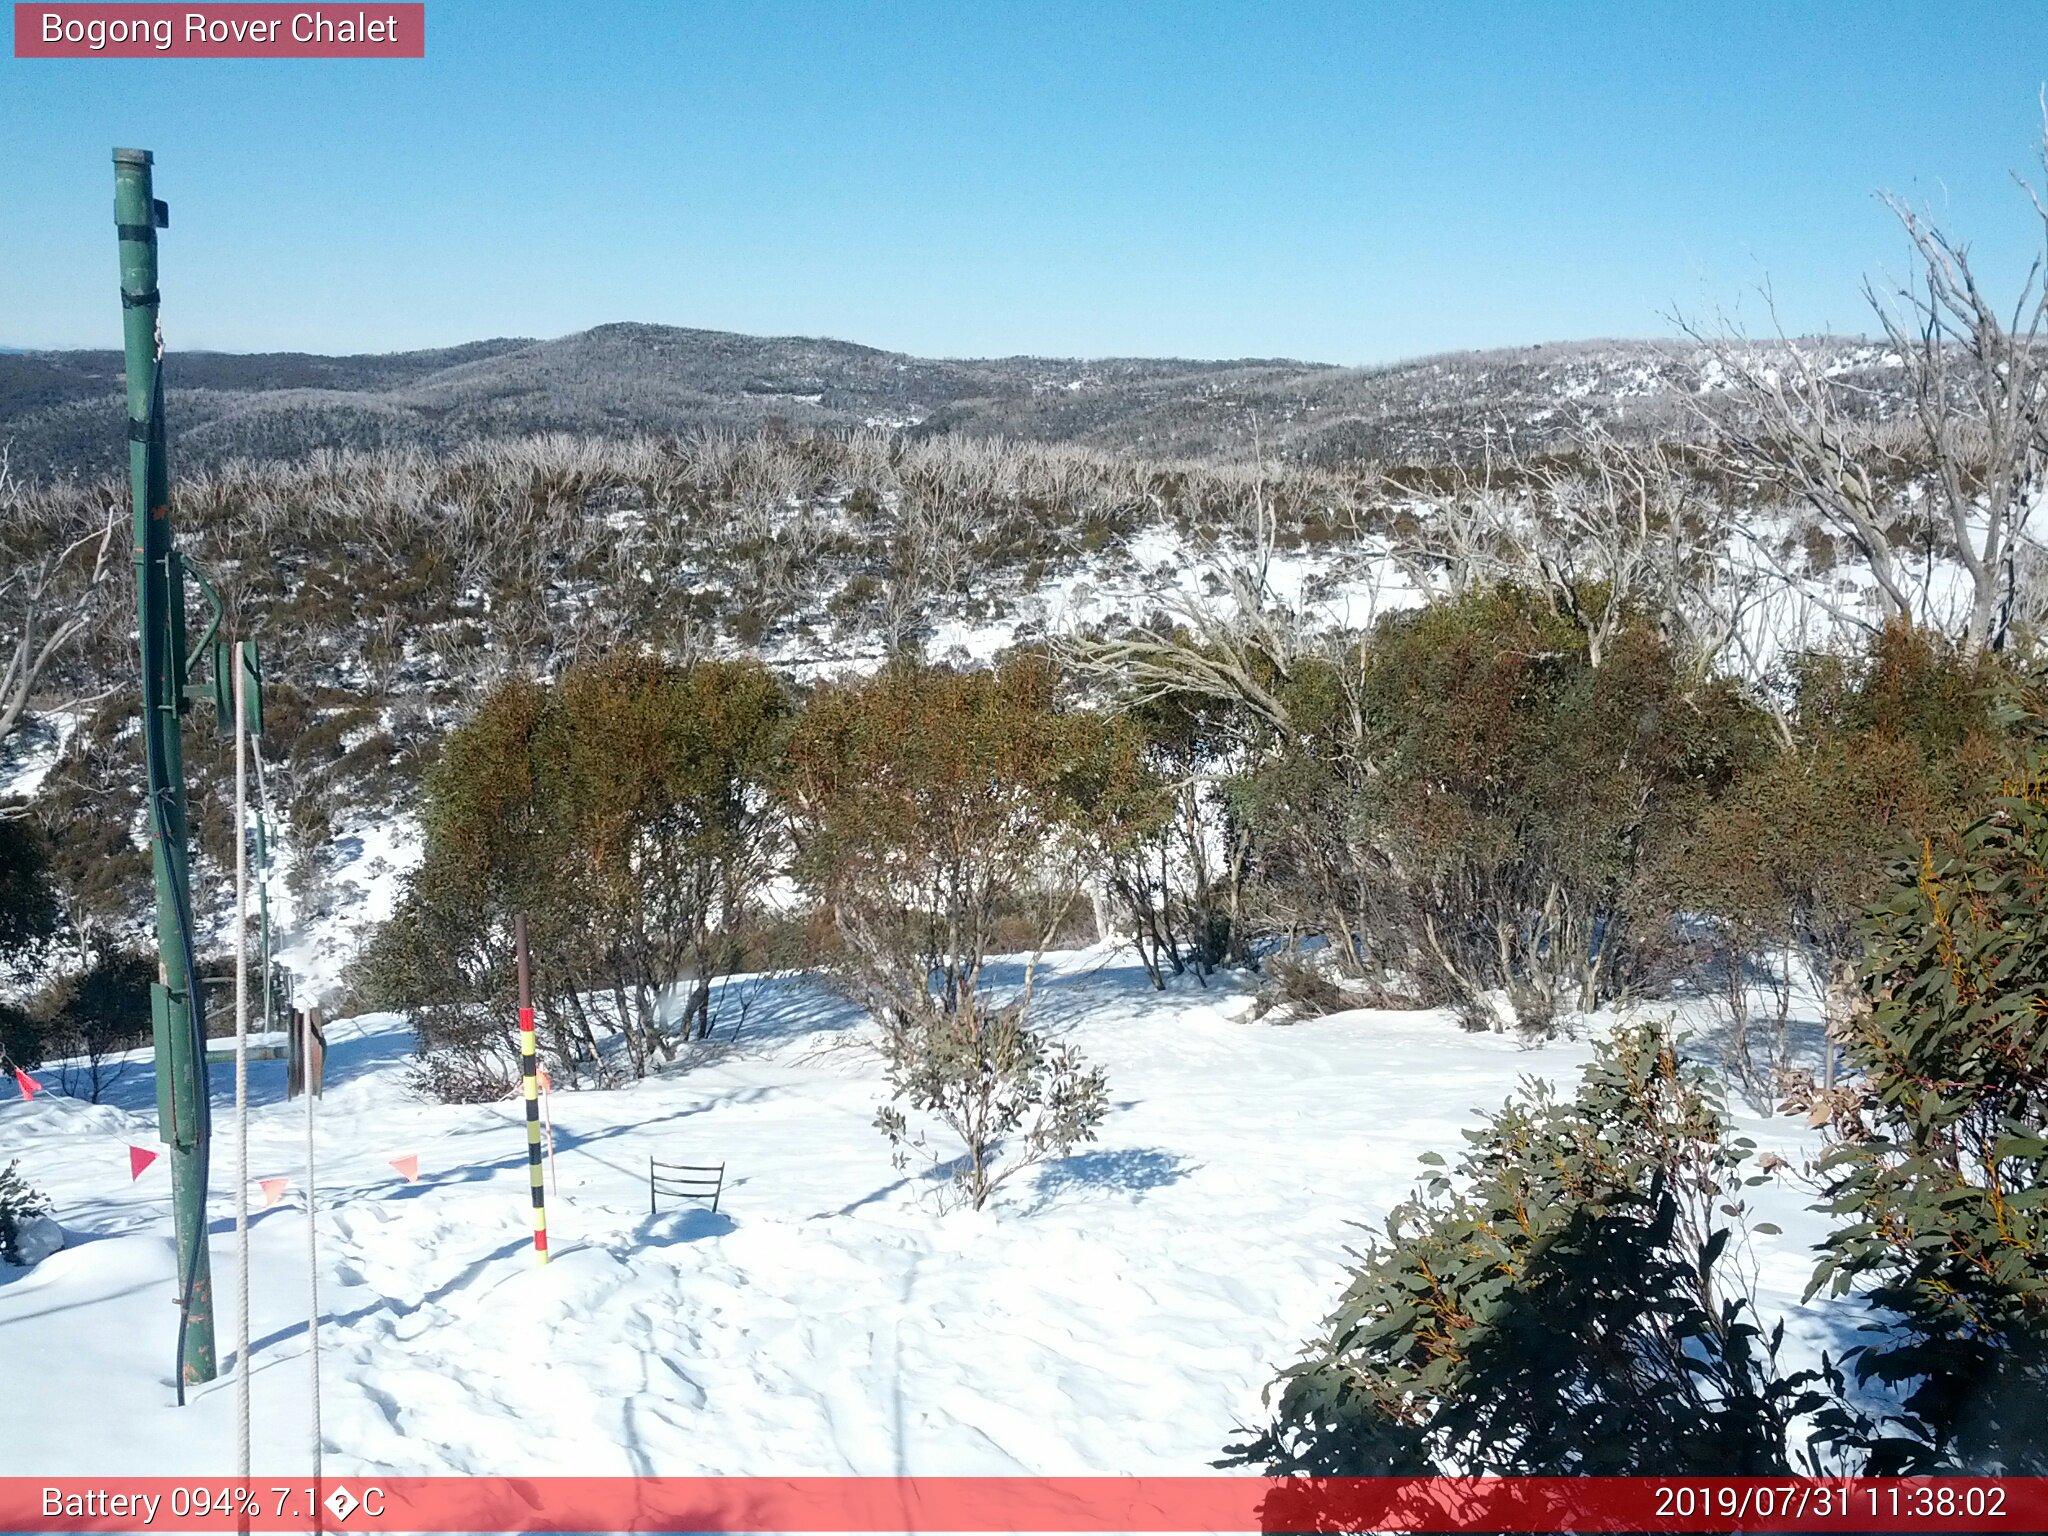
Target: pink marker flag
x,y
28,1085
546,1083
139,1158
408,1166
273,1190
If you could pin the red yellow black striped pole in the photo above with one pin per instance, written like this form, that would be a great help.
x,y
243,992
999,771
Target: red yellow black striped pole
x,y
529,1068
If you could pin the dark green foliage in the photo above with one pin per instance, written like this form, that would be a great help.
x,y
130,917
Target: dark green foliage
x,y
96,1016
1471,798
28,903
110,1001
1554,1304
626,812
21,1040
18,1203
1943,1196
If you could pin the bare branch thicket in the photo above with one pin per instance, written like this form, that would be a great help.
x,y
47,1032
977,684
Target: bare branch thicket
x,y
1785,425
1616,528
48,600
1239,650
1451,540
1599,526
938,527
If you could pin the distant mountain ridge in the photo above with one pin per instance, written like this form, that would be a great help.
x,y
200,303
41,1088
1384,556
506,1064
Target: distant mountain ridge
x,y
60,412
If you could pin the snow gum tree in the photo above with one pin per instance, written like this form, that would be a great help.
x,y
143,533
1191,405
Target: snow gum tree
x,y
942,818
1469,798
627,811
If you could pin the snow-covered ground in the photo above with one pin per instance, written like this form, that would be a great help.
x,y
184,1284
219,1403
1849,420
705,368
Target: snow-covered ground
x,y
1118,1312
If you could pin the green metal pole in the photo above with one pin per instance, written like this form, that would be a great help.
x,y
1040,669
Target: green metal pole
x,y
177,1006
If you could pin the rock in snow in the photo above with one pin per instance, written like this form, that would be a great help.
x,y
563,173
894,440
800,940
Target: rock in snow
x,y
36,1239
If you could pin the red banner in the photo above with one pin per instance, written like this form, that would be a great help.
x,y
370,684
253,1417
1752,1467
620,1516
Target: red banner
x,y
1052,1504
234,31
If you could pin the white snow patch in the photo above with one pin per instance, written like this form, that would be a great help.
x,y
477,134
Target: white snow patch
x,y
827,1320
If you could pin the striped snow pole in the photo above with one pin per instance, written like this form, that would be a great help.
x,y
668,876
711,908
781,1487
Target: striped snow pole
x,y
529,1067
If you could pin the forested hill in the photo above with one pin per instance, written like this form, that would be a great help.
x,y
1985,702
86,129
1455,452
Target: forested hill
x,y
60,412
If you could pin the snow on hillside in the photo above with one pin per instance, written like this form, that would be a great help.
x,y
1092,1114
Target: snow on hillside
x,y
370,862
1119,1312
1159,573
27,762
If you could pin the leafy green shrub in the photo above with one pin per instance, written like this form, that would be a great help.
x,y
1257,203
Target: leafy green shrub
x,y
1009,1097
18,1205
1942,1190
1554,1304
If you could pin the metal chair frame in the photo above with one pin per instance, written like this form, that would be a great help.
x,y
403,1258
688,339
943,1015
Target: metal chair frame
x,y
684,1181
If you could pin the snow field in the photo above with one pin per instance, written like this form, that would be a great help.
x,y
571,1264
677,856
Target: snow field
x,y
1117,1311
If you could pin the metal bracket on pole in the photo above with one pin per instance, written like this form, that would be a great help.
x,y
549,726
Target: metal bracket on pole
x,y
252,687
211,648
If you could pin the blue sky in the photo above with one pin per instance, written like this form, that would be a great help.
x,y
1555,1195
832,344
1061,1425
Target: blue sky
x,y
1346,183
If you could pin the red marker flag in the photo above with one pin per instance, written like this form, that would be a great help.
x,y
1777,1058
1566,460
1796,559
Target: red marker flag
x,y
29,1086
273,1190
408,1166
139,1158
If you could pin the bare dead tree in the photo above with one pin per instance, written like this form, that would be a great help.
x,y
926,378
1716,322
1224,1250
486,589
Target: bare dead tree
x,y
46,602
1240,650
1979,394
1789,424
1615,529
1962,477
